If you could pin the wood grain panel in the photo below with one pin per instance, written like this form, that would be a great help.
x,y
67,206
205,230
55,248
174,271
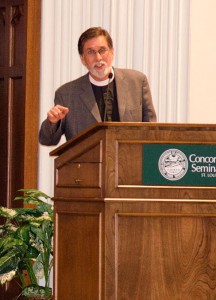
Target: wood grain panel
x,y
161,255
129,170
79,251
79,174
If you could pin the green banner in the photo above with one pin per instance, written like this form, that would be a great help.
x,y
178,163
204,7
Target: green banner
x,y
179,164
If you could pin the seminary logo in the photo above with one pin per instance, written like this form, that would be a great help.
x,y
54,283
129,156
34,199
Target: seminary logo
x,y
173,164
179,164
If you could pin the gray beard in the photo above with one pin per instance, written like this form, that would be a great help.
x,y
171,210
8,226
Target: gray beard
x,y
101,74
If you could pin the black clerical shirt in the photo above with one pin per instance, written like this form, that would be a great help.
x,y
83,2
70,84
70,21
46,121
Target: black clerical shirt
x,y
100,93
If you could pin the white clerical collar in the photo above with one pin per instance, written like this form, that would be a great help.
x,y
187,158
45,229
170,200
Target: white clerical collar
x,y
103,82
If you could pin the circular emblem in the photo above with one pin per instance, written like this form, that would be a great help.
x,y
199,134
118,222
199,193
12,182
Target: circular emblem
x,y
173,164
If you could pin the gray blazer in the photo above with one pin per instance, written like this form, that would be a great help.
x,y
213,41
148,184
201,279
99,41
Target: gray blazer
x,y
134,104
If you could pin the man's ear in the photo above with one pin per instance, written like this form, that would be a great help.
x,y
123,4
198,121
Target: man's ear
x,y
112,52
82,60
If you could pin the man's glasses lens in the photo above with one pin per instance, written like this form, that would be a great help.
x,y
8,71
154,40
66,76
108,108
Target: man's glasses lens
x,y
101,51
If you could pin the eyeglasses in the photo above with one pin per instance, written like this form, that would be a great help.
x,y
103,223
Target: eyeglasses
x,y
102,51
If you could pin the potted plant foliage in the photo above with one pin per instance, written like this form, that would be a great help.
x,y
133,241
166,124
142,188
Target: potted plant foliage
x,y
26,244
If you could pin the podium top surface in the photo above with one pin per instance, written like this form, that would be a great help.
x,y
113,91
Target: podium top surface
x,y
131,125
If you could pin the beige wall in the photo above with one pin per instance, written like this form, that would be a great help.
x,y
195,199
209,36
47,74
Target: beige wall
x,y
202,83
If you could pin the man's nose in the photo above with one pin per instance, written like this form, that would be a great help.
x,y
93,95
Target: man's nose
x,y
98,55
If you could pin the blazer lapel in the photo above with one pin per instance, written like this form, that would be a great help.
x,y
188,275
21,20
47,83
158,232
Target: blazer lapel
x,y
122,93
87,97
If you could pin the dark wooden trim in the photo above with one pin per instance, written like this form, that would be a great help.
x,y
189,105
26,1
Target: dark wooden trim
x,y
32,93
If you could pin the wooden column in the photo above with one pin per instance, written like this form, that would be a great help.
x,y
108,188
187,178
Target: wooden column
x,y
19,102
19,94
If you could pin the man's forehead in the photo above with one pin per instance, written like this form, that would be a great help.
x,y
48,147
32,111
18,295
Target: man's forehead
x,y
99,41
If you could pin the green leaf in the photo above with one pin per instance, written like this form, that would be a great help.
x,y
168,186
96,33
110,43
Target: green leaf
x,y
28,211
8,242
34,193
45,207
23,233
32,252
33,196
7,212
11,259
8,228
38,232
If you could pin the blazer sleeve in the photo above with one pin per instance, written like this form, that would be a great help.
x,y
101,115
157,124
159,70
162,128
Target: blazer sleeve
x,y
50,133
148,111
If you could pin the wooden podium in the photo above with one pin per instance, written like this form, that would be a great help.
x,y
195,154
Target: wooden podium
x,y
119,239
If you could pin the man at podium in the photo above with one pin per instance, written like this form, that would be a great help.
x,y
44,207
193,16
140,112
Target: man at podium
x,y
105,93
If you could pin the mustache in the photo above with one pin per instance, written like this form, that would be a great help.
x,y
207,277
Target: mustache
x,y
99,64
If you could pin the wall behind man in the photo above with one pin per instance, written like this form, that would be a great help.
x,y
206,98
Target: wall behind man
x,y
202,79
172,42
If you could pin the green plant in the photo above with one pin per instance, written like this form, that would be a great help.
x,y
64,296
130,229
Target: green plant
x,y
26,243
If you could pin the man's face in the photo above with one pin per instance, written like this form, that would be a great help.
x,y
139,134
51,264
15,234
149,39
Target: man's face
x,y
97,57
